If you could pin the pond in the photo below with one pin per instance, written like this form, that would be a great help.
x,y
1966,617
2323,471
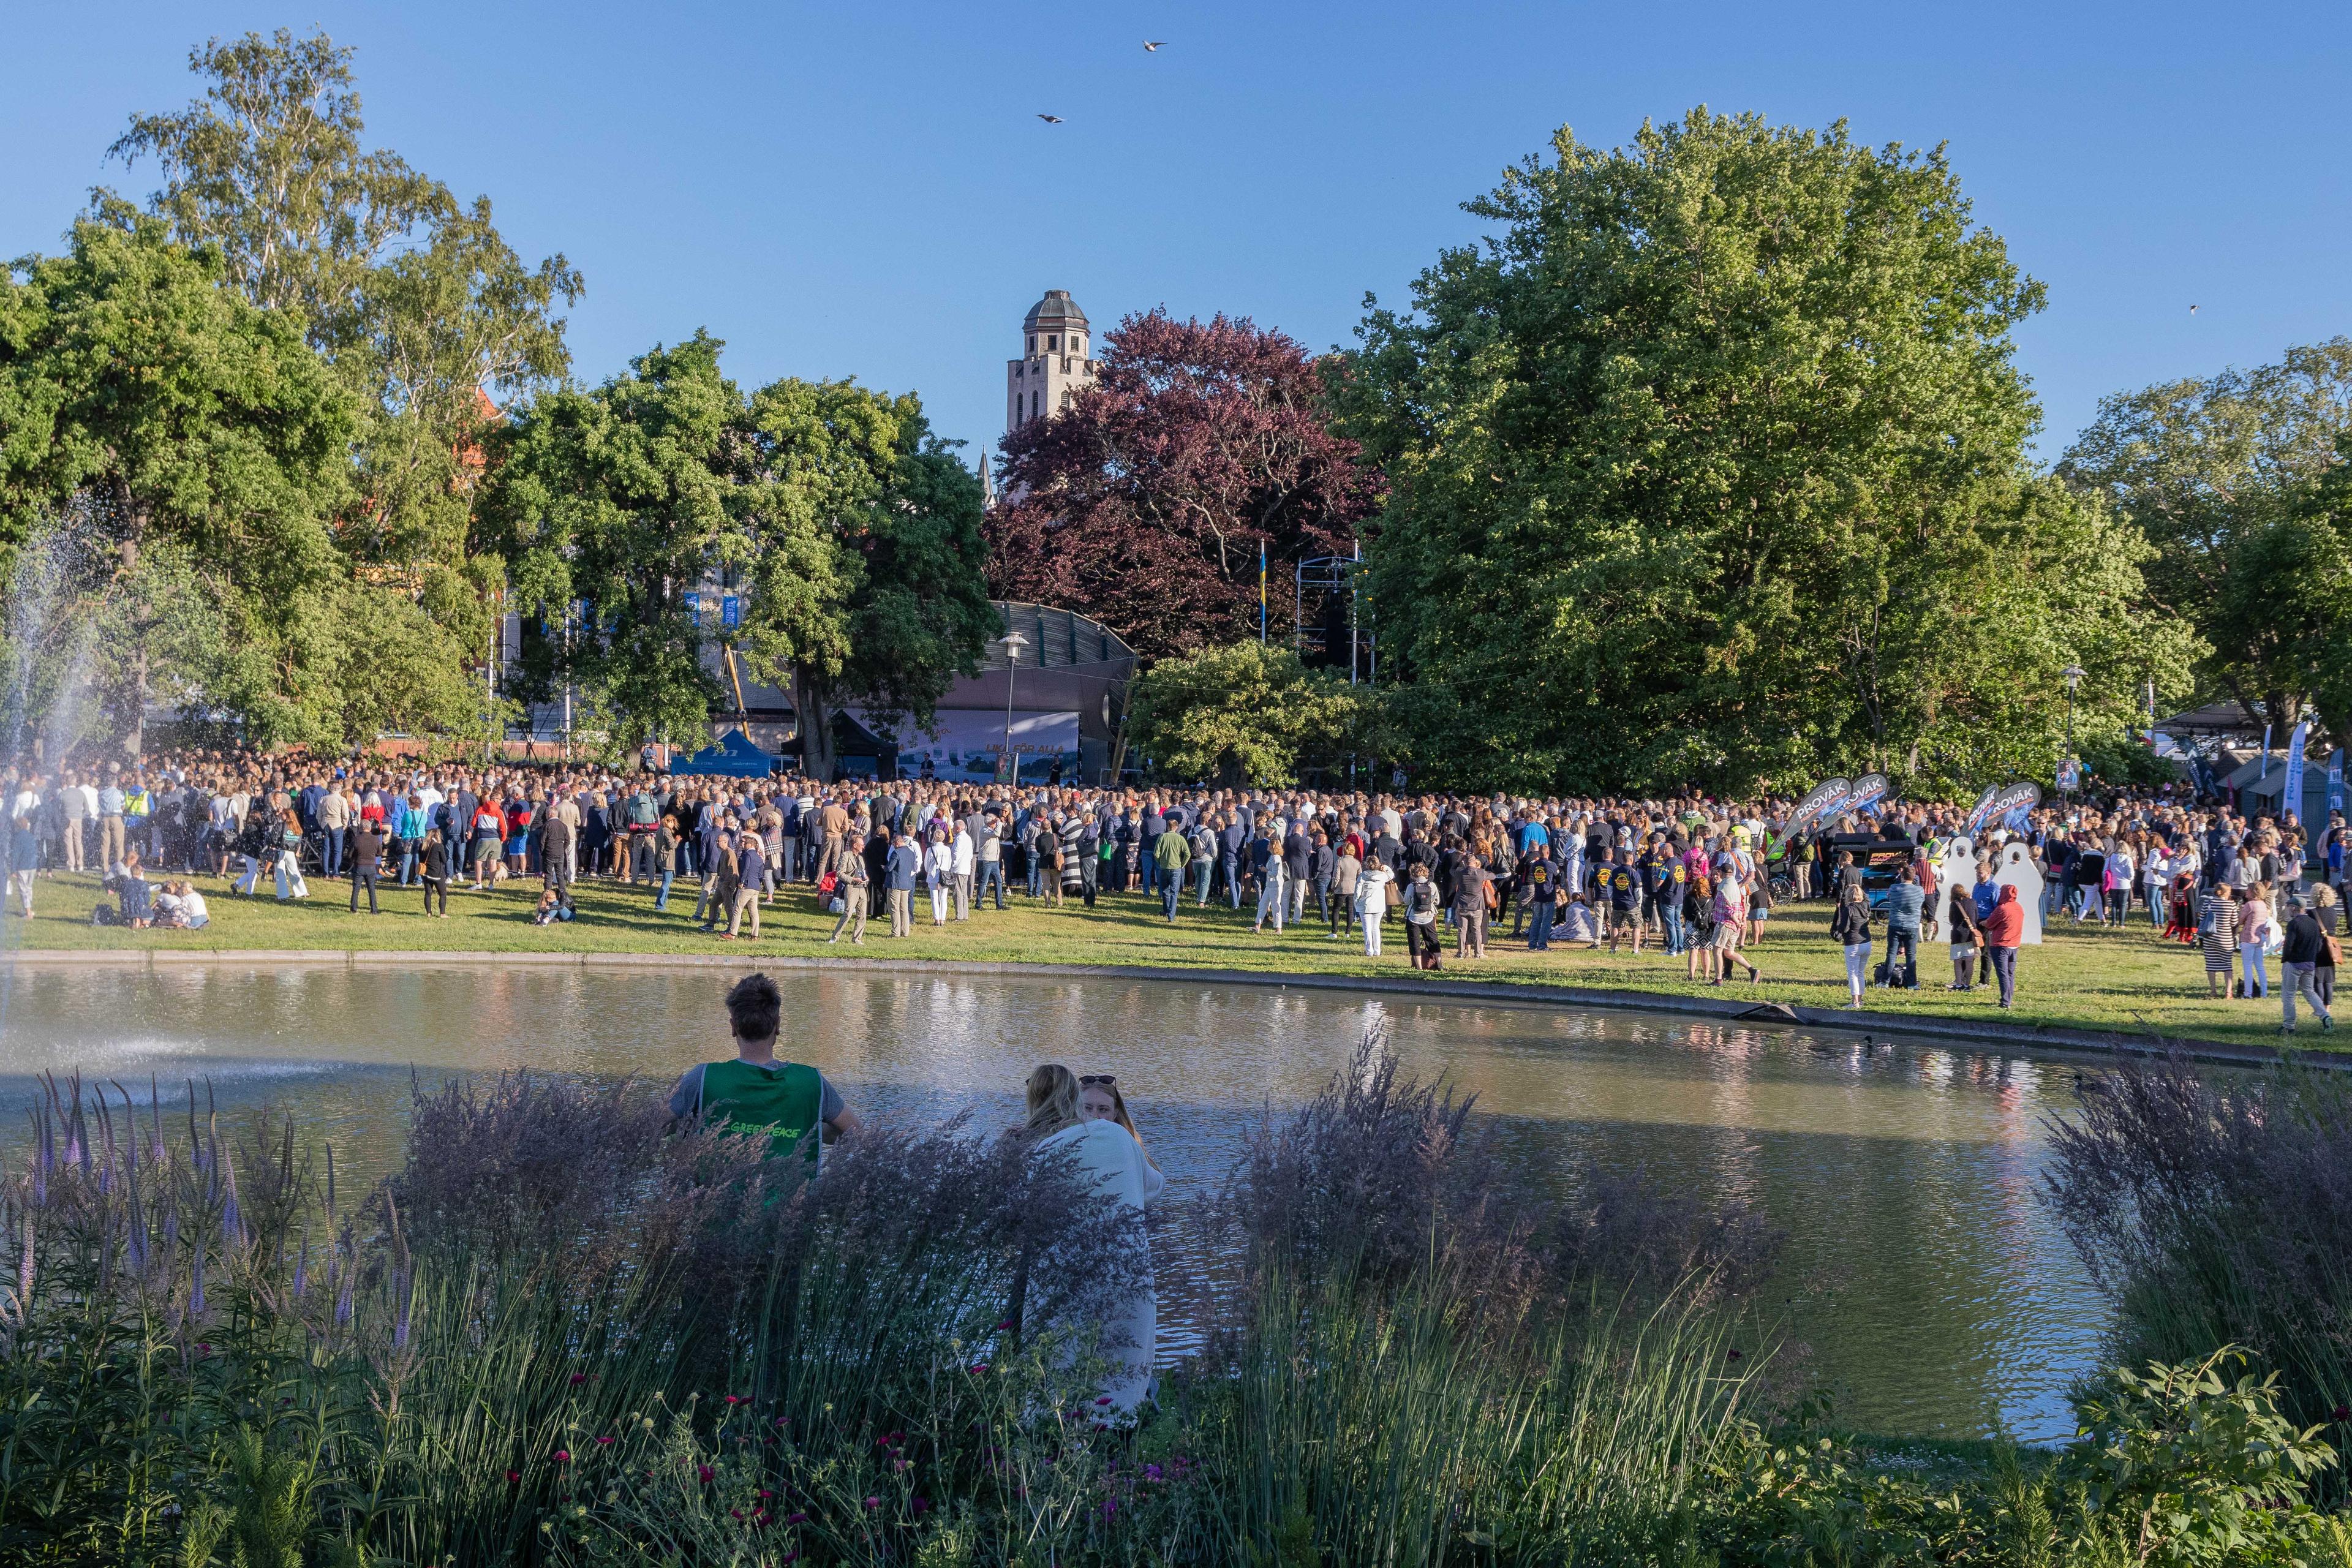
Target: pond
x,y
1930,1289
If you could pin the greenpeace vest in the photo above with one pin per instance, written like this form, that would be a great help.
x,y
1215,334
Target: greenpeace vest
x,y
781,1101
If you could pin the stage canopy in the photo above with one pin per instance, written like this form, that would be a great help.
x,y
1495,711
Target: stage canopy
x,y
733,756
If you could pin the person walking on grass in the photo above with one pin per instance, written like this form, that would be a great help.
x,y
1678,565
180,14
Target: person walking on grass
x,y
1170,856
24,860
2254,944
1273,893
750,881
1730,911
2306,945
1371,901
432,856
367,849
850,882
791,1104
2003,930
1850,929
1960,911
903,867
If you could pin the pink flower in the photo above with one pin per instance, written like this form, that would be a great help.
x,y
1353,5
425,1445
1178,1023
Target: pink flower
x,y
514,1478
703,1473
604,1442
922,1503
874,1502
577,1378
977,1367
1104,1399
562,1455
738,1399
795,1518
1004,1326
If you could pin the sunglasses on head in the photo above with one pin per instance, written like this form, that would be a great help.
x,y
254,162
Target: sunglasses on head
x,y
1094,1077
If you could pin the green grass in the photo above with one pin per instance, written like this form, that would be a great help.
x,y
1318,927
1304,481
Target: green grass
x,y
2084,978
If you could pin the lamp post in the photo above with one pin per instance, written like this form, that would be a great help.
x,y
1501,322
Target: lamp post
x,y
2074,674
1013,643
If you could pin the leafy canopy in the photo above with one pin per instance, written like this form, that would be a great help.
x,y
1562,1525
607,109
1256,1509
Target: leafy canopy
x,y
1146,501
2233,479
1709,466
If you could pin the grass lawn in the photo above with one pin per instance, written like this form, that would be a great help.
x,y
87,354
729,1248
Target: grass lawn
x,y
2085,977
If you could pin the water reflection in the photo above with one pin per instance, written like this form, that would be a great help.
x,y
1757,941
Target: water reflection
x,y
1933,1291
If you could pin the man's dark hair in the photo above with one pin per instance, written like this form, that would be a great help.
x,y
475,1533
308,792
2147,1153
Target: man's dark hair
x,y
755,1008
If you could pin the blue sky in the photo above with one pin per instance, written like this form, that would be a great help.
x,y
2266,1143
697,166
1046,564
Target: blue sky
x,y
865,190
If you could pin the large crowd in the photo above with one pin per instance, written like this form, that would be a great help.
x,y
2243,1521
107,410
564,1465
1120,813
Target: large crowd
x,y
1691,876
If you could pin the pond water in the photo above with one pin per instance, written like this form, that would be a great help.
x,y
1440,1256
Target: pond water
x,y
1930,1289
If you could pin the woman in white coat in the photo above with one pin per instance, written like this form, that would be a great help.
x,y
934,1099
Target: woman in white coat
x,y
1102,1148
1373,901
938,875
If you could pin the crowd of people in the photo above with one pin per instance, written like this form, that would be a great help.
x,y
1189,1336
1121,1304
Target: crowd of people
x,y
1689,877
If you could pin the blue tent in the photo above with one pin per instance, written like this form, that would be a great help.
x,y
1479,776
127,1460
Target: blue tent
x,y
734,756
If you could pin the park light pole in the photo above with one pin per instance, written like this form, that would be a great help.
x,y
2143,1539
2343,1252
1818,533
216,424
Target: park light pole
x,y
2074,674
1013,643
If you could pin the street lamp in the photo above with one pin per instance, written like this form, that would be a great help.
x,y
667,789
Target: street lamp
x,y
2074,674
1013,643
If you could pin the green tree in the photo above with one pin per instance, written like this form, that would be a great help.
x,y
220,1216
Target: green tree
x,y
2224,477
1709,466
1249,714
148,410
416,298
609,507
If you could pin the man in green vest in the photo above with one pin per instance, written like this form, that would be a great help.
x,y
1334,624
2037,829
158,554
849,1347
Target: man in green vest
x,y
755,1092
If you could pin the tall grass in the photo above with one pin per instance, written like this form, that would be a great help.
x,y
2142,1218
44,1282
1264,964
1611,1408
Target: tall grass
x,y
566,1333
2218,1212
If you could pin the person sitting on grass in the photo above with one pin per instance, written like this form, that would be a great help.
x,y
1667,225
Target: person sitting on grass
x,y
179,907
137,895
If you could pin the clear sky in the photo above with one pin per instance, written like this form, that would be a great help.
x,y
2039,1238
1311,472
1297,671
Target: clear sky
x,y
849,189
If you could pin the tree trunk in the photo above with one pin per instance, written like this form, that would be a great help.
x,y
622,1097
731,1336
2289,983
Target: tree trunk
x,y
816,726
135,723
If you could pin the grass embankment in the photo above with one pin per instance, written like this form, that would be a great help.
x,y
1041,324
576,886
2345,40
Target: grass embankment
x,y
2080,978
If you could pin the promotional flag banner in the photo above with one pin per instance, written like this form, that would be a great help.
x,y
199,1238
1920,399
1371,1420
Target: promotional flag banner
x,y
2291,797
2013,806
1982,811
2263,775
1818,803
2336,781
1868,791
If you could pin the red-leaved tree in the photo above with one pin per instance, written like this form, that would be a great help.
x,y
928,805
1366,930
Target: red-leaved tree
x,y
1144,502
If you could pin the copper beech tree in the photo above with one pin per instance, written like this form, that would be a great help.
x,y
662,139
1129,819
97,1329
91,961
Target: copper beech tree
x,y
1145,500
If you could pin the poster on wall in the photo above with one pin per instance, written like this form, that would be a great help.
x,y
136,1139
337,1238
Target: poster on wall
x,y
966,746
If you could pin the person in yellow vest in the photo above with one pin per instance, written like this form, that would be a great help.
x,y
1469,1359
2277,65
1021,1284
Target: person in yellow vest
x,y
789,1101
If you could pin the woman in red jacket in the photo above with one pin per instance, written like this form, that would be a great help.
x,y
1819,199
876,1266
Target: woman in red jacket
x,y
2003,930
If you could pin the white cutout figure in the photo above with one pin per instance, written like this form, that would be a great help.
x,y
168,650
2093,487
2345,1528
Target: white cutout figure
x,y
1955,869
2014,868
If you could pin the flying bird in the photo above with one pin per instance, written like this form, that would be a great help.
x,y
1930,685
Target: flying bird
x,y
2192,310
1051,119
1151,46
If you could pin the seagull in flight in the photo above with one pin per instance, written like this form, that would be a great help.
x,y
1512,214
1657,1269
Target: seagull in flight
x,y
2192,310
1152,47
1051,119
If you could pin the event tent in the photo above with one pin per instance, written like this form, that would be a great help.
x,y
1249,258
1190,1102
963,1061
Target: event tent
x,y
733,756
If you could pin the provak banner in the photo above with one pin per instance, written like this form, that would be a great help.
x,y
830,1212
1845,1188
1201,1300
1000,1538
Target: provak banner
x,y
1980,813
2336,781
1824,798
2010,808
1867,791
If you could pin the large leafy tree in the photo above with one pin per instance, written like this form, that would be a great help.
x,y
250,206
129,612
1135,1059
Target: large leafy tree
x,y
416,298
1147,500
2232,480
170,459
1709,466
851,534
609,507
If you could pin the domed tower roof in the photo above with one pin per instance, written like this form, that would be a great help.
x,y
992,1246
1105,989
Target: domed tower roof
x,y
1055,312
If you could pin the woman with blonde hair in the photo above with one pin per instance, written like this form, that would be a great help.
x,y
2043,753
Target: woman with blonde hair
x,y
1100,1101
1105,1149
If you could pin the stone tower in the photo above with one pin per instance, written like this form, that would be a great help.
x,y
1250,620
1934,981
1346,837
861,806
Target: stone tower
x,y
1055,341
